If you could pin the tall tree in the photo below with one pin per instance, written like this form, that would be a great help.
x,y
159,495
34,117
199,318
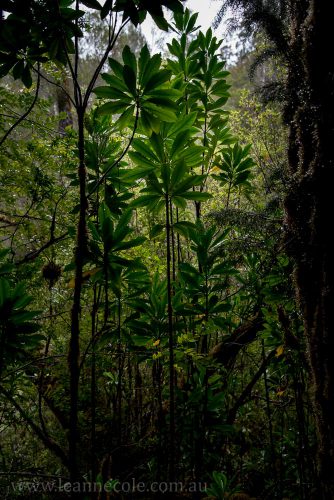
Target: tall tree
x,y
299,32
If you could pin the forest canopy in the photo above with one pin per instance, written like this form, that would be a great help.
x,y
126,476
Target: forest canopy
x,y
156,284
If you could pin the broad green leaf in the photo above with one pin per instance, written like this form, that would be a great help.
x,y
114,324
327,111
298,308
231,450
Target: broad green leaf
x,y
141,147
161,22
125,245
150,69
196,196
179,142
145,200
18,69
130,79
144,60
179,171
126,118
93,4
115,82
158,146
135,174
163,114
156,80
107,92
142,159
112,108
26,77
156,230
4,291
182,227
149,122
116,67
188,183
179,202
183,123
129,59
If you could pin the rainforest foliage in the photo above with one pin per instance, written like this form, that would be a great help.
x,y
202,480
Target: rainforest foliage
x,y
148,323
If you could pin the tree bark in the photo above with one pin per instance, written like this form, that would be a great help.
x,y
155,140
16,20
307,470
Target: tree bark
x,y
226,352
310,109
74,348
171,464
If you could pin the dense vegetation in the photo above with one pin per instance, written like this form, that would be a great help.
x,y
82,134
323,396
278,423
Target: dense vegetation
x,y
149,328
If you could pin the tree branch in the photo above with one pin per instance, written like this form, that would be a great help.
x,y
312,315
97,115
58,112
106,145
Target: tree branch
x,y
248,389
226,352
46,440
35,253
24,116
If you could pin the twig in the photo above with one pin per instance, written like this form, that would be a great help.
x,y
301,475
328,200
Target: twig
x,y
35,253
46,440
55,84
23,117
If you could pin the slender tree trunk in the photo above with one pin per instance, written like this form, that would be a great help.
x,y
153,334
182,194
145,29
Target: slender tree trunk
x,y
173,242
309,204
74,350
269,419
120,372
171,349
93,391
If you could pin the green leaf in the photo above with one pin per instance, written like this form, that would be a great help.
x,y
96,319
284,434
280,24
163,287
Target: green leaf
x,y
160,22
149,122
156,230
92,4
22,316
130,79
179,171
115,82
179,202
196,196
163,114
182,227
18,69
179,142
165,93
182,124
145,200
140,341
130,244
219,308
26,77
106,8
66,3
193,154
107,92
141,147
188,183
135,174
129,59
126,118
151,68
157,79
71,14
116,67
158,146
112,108
141,159
144,59
4,291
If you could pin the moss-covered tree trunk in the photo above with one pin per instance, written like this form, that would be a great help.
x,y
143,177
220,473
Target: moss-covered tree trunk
x,y
309,208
